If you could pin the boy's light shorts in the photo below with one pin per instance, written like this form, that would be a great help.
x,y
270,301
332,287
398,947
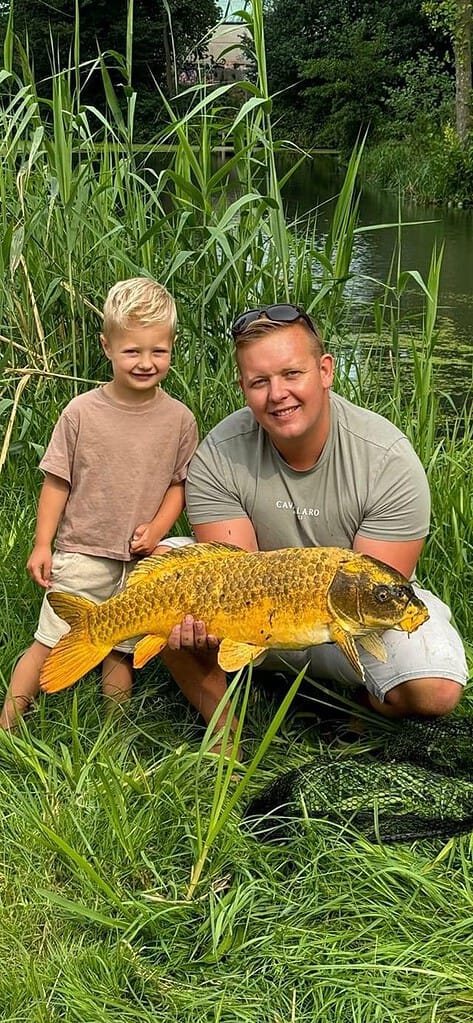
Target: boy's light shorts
x,y
434,650
87,576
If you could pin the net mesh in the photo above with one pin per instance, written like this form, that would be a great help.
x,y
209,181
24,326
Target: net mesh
x,y
420,786
442,744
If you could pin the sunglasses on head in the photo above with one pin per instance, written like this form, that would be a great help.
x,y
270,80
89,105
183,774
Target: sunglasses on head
x,y
277,313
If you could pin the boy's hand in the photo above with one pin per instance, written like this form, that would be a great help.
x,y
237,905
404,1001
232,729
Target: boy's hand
x,y
39,565
143,540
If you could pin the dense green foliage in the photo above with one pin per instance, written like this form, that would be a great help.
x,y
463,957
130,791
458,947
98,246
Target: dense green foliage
x,y
98,833
398,71
389,69
129,889
435,168
343,64
164,35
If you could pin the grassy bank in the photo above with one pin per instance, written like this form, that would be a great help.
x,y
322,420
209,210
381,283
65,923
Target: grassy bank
x,y
432,167
129,888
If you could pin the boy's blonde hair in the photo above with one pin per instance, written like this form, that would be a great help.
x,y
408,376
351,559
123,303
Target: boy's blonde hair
x,y
138,300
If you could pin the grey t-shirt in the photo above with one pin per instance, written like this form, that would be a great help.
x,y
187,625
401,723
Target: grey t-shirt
x,y
368,480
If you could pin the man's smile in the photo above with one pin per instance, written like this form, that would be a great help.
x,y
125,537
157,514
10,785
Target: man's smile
x,y
283,412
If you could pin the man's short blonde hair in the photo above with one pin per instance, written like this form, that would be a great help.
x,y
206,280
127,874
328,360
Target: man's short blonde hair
x,y
258,329
138,300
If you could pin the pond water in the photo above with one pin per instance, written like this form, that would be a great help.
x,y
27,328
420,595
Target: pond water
x,y
313,190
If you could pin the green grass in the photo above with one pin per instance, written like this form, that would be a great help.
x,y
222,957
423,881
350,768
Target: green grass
x,y
429,164
99,844
129,887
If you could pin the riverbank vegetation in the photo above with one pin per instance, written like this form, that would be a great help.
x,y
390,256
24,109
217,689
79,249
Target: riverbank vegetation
x,y
130,889
400,72
144,45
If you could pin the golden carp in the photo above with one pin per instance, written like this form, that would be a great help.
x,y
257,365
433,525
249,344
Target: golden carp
x,y
288,599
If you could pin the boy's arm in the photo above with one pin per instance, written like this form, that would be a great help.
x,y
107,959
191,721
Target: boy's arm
x,y
52,501
148,535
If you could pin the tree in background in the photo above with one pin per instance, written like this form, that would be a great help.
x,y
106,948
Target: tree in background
x,y
336,70
164,34
346,89
456,17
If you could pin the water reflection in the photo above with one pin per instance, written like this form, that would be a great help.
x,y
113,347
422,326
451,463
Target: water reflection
x,y
312,191
311,194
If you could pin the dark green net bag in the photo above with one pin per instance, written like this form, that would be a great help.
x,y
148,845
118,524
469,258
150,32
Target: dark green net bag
x,y
421,786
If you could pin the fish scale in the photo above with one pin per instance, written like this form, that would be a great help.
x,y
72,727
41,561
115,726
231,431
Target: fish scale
x,y
286,599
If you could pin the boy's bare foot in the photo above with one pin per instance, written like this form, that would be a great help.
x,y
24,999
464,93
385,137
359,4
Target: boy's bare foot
x,y
24,685
14,709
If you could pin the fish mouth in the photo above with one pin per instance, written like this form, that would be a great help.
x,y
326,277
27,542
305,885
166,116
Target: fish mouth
x,y
413,618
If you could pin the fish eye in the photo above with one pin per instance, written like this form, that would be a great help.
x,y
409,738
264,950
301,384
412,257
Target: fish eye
x,y
382,593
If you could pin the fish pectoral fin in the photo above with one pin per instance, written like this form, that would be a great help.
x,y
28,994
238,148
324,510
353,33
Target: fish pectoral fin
x,y
147,648
257,660
347,644
232,656
374,645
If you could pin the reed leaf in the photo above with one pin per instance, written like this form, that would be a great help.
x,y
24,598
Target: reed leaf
x,y
128,888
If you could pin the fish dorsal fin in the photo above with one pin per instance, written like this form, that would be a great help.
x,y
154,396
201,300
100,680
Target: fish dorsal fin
x,y
180,557
232,656
374,645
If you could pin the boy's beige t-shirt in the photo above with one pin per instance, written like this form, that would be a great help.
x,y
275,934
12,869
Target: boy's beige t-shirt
x,y
119,461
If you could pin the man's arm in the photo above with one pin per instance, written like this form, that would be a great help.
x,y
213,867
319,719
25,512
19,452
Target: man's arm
x,y
399,507
239,532
401,554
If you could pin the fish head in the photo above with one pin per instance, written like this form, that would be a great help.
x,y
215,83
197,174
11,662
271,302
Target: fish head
x,y
368,596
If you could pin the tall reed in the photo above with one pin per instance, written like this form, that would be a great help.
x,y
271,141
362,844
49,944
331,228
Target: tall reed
x,y
80,207
128,890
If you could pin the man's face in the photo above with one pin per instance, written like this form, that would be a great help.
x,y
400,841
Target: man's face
x,y
286,387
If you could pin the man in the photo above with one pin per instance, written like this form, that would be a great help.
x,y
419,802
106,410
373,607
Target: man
x,y
301,466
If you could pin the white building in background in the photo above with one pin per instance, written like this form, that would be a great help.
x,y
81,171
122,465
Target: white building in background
x,y
228,61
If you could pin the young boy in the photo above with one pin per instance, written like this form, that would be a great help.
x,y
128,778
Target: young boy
x,y
114,480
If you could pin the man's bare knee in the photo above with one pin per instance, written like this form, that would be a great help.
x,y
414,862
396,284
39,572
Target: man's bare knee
x,y
427,696
447,695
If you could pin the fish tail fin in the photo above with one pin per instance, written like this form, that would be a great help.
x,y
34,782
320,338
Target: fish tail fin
x,y
75,654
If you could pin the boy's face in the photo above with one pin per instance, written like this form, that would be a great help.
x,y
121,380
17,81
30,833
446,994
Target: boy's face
x,y
140,358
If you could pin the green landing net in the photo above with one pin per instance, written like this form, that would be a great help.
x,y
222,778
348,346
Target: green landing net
x,y
420,786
